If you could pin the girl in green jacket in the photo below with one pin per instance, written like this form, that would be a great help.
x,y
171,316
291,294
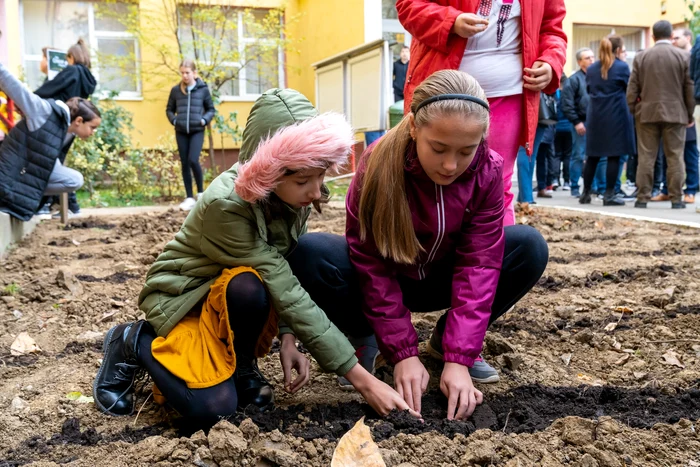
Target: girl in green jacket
x,y
240,271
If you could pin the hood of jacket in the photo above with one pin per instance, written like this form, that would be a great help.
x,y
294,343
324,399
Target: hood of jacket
x,y
275,109
87,80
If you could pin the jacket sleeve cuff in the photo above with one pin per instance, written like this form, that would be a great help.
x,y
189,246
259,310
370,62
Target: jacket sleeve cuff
x,y
343,369
576,122
284,329
459,358
403,355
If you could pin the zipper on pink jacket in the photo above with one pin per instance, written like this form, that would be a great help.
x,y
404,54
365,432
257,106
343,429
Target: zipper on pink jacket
x,y
439,200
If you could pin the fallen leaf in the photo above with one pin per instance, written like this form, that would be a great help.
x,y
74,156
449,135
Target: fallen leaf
x,y
107,315
610,327
357,449
671,358
639,375
623,309
622,360
23,345
566,358
78,397
117,303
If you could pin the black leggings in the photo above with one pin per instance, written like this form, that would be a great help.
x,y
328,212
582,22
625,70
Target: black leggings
x,y
610,173
322,265
190,147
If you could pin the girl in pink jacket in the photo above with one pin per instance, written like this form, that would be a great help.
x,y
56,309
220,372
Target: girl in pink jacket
x,y
425,233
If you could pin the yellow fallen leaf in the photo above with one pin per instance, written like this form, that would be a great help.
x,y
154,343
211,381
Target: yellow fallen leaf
x,y
357,449
78,397
23,345
624,309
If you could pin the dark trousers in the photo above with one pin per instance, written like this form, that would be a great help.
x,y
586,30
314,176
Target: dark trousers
x,y
563,146
190,147
322,265
545,155
611,173
690,157
632,168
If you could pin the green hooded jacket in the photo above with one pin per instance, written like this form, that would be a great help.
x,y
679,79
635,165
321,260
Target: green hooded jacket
x,y
224,231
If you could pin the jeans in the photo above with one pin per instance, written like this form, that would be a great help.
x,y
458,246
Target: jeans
x,y
526,168
599,179
690,157
578,156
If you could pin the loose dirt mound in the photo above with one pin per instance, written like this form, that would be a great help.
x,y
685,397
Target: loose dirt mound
x,y
599,363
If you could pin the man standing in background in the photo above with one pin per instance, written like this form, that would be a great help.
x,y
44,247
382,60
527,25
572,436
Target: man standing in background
x,y
574,104
400,70
660,95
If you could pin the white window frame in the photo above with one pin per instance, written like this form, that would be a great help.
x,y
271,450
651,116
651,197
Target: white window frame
x,y
93,37
242,82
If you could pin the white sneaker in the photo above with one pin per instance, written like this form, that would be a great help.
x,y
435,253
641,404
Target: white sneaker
x,y
566,187
187,204
549,192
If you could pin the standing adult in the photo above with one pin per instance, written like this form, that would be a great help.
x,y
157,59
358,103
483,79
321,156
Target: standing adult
x,y
190,109
661,97
400,70
574,104
682,38
563,140
491,40
75,80
610,131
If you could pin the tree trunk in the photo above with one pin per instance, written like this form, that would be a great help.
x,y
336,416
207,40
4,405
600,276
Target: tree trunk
x,y
211,151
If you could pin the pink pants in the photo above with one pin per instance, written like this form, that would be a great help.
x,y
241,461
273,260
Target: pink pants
x,y
504,134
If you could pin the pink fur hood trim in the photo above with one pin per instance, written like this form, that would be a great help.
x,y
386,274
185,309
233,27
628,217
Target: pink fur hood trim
x,y
319,142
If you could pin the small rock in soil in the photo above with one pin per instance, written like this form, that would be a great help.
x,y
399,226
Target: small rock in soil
x,y
67,280
18,404
497,345
575,430
226,441
513,361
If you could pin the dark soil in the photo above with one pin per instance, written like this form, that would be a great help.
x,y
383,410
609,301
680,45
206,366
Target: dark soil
x,y
90,223
116,278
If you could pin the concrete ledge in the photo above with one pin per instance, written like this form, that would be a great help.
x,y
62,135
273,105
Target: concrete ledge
x,y
13,230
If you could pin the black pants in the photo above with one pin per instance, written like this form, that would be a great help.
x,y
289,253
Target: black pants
x,y
563,145
632,168
322,265
544,165
610,173
190,147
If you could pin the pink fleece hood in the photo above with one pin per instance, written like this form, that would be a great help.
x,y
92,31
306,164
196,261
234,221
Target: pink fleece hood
x,y
324,141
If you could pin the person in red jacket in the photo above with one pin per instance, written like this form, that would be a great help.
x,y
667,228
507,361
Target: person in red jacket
x,y
425,232
513,52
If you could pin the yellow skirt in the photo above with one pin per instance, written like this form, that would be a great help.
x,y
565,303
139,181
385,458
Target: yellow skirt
x,y
199,349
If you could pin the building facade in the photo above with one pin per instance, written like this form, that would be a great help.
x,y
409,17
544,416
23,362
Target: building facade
x,y
319,29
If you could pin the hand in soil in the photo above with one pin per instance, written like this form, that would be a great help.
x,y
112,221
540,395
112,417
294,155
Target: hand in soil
x,y
411,381
462,396
292,359
379,395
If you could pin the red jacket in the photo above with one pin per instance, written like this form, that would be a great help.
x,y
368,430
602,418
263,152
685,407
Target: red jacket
x,y
434,47
462,221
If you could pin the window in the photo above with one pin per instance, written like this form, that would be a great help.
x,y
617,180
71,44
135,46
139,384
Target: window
x,y
59,24
392,30
590,36
237,50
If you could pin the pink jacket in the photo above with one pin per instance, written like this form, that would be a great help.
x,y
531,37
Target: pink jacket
x,y
463,220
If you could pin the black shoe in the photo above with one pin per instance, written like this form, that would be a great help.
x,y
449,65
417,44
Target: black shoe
x,y
251,385
639,204
585,198
613,200
113,388
680,205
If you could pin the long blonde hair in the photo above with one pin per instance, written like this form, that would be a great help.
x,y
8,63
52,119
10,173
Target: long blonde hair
x,y
383,209
609,46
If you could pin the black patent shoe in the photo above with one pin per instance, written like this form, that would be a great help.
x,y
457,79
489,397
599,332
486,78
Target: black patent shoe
x,y
251,385
113,388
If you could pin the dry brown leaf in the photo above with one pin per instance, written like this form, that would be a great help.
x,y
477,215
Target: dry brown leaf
x,y
24,345
622,360
357,449
623,309
671,358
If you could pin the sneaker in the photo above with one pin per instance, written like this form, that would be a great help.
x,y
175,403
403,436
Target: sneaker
x,y
188,204
566,187
544,194
366,351
113,389
689,199
481,372
614,200
251,385
45,209
199,196
575,193
661,197
630,184
71,215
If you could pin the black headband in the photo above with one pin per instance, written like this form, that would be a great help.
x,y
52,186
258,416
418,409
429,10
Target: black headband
x,y
444,97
